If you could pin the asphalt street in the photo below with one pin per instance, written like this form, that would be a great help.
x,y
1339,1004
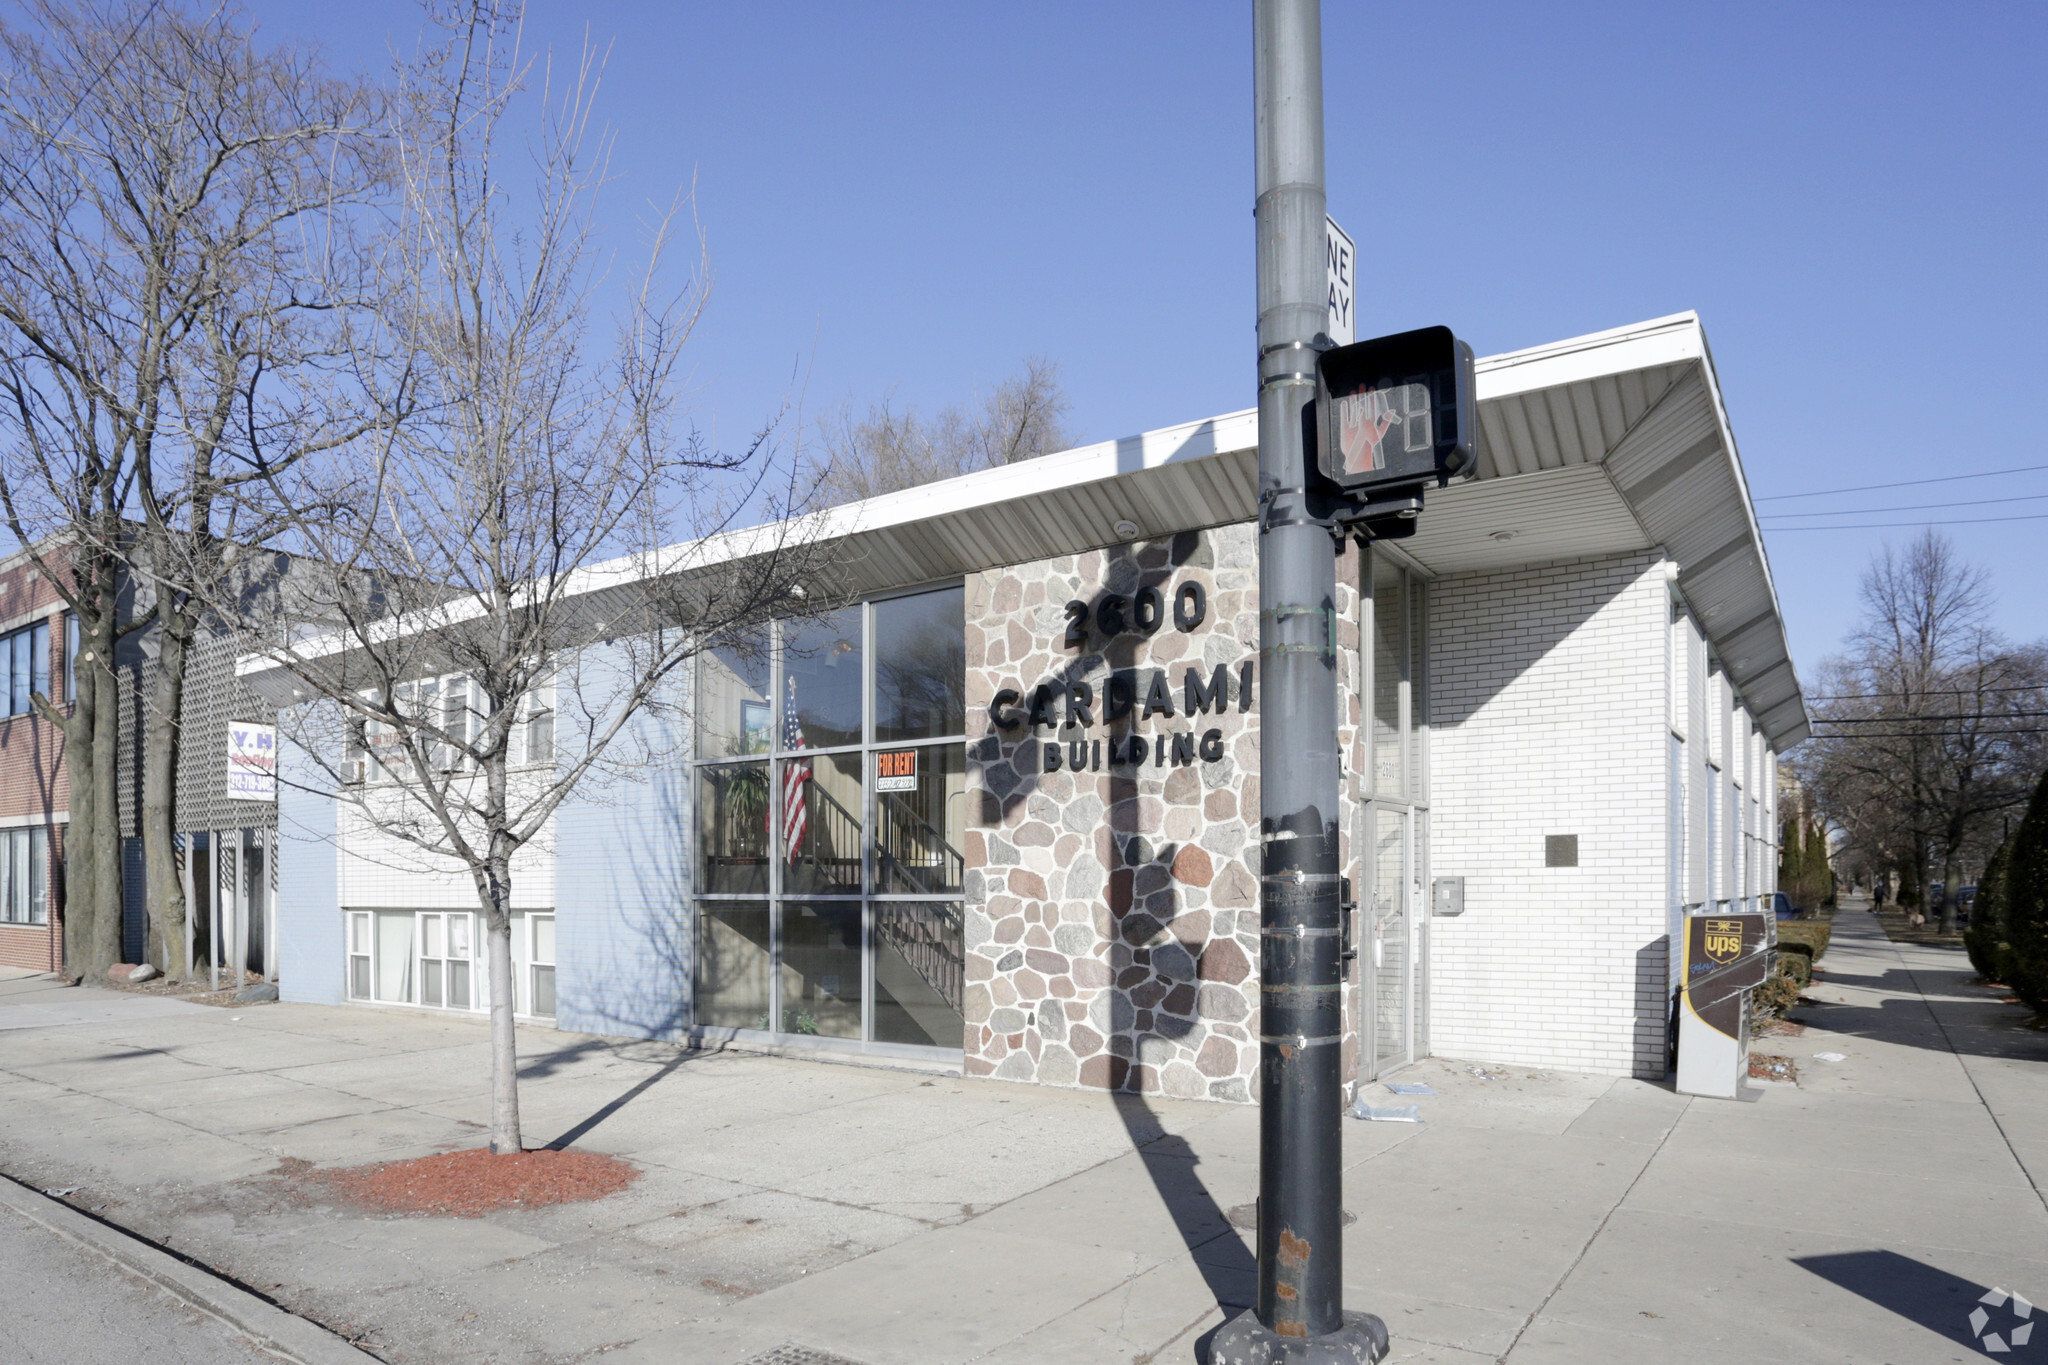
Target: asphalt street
x,y
67,1305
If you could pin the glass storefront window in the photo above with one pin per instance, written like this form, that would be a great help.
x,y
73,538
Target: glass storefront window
x,y
1389,672
920,973
734,716
920,666
732,964
863,798
920,812
821,669
821,965
733,809
821,824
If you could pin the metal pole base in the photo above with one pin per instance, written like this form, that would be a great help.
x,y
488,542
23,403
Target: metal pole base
x,y
1244,1340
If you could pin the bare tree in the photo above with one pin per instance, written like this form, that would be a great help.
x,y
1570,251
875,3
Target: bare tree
x,y
1930,724
888,450
159,170
509,577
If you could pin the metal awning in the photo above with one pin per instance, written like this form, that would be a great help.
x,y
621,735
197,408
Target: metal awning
x,y
1599,445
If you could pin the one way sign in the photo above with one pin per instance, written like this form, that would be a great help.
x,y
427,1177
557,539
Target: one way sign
x,y
1341,261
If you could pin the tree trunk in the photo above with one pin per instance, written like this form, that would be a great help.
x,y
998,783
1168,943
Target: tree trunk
x,y
104,947
160,787
80,891
506,1138
1949,871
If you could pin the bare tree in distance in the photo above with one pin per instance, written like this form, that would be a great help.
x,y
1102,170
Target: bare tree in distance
x,y
505,583
1931,724
164,180
888,450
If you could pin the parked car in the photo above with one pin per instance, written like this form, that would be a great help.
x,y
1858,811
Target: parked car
x,y
1966,901
1782,906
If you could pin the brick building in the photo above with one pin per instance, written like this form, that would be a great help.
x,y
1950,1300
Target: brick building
x,y
997,808
35,788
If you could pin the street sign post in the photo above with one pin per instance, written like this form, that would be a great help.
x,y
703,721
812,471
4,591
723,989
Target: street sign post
x,y
1298,1317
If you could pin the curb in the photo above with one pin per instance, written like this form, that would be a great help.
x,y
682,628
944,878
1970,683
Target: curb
x,y
263,1322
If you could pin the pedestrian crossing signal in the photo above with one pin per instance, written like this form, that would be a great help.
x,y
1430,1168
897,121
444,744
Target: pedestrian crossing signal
x,y
1396,412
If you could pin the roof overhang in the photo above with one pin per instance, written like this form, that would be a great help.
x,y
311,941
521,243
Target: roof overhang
x,y
1598,445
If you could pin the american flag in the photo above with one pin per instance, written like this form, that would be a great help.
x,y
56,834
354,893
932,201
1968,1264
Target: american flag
x,y
795,773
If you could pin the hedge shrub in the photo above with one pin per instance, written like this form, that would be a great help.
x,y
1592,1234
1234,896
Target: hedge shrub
x,y
2026,904
1810,934
1985,938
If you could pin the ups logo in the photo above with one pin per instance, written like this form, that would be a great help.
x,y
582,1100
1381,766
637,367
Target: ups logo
x,y
1723,940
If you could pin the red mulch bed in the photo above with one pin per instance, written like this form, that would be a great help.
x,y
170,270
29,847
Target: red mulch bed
x,y
469,1184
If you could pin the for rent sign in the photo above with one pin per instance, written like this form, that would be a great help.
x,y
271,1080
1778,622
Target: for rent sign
x,y
252,761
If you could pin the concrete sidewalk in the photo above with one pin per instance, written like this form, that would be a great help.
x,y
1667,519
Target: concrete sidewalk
x,y
897,1217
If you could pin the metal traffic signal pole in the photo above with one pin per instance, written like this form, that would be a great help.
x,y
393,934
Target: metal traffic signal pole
x,y
1299,1317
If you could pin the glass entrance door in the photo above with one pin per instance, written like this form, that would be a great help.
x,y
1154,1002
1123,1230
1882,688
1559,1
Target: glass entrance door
x,y
1390,943
1394,825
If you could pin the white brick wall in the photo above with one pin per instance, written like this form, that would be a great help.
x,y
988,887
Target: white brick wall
x,y
1549,713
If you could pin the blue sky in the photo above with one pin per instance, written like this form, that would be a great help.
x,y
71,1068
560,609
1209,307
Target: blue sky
x,y
908,198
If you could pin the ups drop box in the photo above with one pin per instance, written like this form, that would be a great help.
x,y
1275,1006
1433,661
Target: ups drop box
x,y
1726,956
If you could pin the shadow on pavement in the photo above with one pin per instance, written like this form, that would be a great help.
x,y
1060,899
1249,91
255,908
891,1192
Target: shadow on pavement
x,y
1229,1270
611,1107
1917,1292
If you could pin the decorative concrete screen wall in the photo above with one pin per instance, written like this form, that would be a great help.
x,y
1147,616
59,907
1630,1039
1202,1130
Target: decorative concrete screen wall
x,y
1112,777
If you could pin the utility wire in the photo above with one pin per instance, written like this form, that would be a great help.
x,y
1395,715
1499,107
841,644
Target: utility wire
x,y
1907,483
1923,507
1931,692
1895,720
1907,525
1937,734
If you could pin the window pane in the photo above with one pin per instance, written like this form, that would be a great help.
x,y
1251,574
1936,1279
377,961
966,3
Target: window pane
x,y
821,824
821,968
544,938
821,661
458,985
919,832
732,827
394,955
10,898
359,978
455,720
70,656
1387,939
919,973
458,936
19,669
544,992
1418,690
430,982
359,933
1389,660
430,929
540,730
39,876
732,967
920,666
19,890
39,653
734,717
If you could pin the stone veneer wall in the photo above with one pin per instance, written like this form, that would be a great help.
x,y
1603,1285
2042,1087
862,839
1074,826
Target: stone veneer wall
x,y
1112,914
